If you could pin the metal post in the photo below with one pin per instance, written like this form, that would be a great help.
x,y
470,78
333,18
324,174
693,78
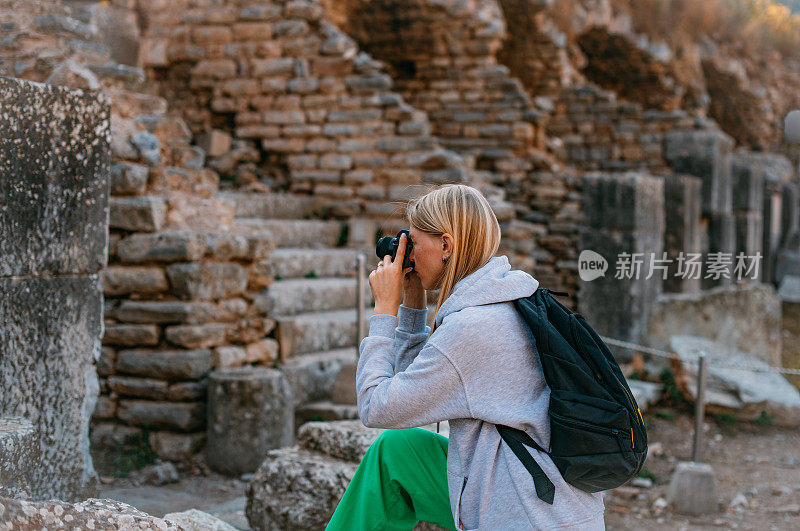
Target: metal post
x,y
361,268
699,408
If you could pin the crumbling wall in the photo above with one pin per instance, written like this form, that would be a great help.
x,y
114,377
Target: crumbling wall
x,y
320,116
54,164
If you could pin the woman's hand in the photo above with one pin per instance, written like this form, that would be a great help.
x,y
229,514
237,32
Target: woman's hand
x,y
387,281
413,293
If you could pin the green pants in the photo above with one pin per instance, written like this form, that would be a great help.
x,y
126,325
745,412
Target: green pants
x,y
401,480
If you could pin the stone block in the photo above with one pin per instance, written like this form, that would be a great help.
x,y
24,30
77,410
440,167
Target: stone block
x,y
19,451
625,202
692,489
129,335
722,314
682,229
54,159
180,391
250,411
185,416
165,312
718,248
215,143
223,357
747,181
175,446
128,178
210,280
641,236
146,214
140,387
122,280
197,336
169,246
50,340
313,376
705,154
170,364
313,500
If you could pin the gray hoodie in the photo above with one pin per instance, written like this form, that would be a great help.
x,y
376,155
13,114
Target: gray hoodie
x,y
479,368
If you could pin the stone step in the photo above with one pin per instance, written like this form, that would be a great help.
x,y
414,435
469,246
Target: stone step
x,y
274,206
313,332
297,262
313,376
302,295
320,331
315,234
324,410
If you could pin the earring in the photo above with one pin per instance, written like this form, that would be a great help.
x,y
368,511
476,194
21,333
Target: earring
x,y
444,260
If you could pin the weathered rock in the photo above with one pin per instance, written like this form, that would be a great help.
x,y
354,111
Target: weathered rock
x,y
250,411
276,500
344,439
175,446
738,383
185,416
723,314
169,246
50,339
207,280
177,364
111,514
228,357
121,280
143,387
19,451
197,336
194,520
146,214
160,473
692,489
624,214
128,178
126,335
165,312
45,223
645,393
313,376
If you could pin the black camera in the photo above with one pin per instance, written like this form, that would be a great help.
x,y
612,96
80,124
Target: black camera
x,y
388,245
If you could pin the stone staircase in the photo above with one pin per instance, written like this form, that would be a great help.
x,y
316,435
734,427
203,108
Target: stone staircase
x,y
312,297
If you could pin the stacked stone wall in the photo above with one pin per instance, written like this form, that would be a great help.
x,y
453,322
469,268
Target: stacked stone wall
x,y
317,115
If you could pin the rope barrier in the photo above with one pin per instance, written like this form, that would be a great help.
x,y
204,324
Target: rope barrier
x,y
711,363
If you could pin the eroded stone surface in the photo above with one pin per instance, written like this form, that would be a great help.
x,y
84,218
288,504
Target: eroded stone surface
x,y
54,163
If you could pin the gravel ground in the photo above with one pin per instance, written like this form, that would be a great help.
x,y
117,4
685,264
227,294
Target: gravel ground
x,y
757,471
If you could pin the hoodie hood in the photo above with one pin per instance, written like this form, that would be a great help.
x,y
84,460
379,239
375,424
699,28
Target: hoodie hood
x,y
490,284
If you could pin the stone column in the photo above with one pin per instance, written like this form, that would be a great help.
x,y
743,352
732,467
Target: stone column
x,y
54,166
682,230
707,154
623,213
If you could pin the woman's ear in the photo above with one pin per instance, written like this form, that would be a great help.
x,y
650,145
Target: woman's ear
x,y
447,242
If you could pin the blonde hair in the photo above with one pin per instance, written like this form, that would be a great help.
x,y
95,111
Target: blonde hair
x,y
464,213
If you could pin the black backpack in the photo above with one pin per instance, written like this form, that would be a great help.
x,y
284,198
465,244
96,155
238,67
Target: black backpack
x,y
597,436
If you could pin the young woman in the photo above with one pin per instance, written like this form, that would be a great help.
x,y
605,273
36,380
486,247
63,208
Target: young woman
x,y
476,368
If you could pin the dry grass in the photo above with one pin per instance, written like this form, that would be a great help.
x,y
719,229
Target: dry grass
x,y
757,24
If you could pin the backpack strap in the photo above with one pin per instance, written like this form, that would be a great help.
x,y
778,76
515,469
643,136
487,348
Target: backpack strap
x,y
515,439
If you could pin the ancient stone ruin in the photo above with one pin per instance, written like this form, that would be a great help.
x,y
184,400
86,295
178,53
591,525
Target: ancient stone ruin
x,y
179,231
